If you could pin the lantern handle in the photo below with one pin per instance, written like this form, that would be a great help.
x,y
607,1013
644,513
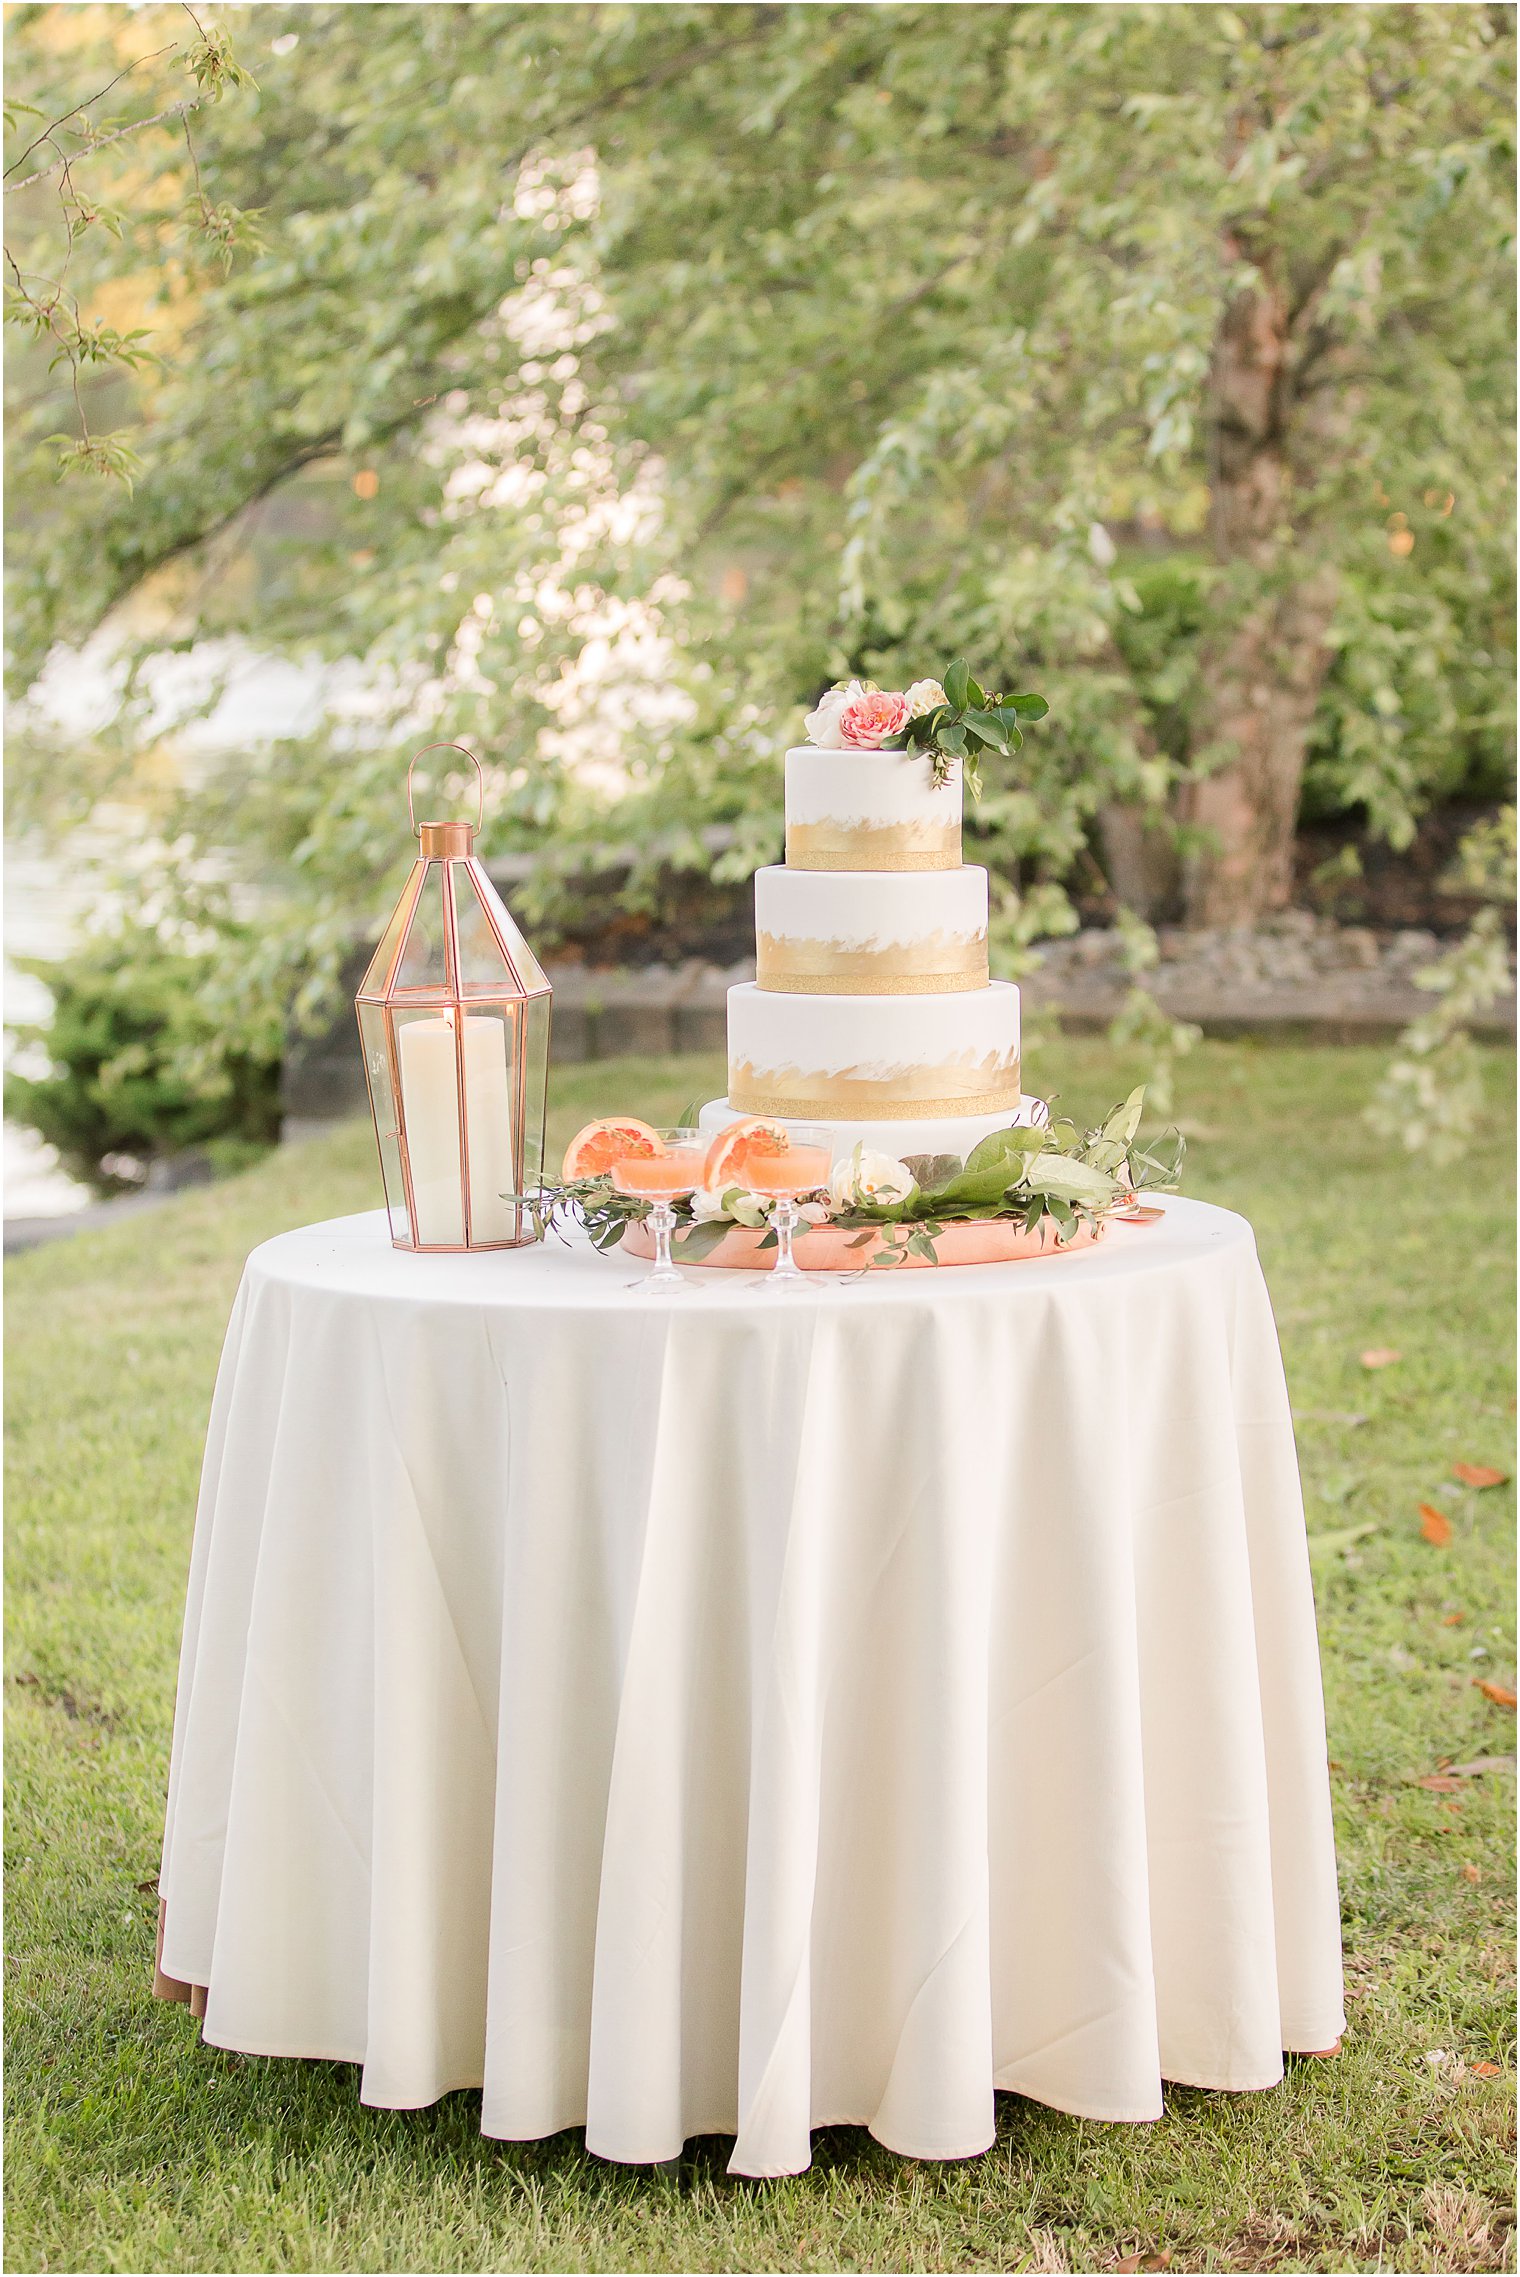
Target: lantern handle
x,y
480,784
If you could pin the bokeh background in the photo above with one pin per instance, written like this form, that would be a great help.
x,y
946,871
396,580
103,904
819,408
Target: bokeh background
x,y
593,386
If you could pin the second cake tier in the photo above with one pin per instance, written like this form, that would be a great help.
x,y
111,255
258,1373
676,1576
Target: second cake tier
x,y
865,1058
870,933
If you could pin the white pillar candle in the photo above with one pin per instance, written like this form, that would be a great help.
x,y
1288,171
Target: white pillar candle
x,y
430,1108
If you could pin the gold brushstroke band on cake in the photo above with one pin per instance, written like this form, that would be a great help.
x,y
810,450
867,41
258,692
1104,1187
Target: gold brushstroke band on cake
x,y
883,846
847,1097
933,966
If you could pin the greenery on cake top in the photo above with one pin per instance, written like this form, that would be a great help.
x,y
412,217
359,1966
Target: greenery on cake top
x,y
968,722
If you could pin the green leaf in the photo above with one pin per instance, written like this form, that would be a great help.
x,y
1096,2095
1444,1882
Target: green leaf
x,y
988,729
953,738
1061,1178
974,693
932,1170
957,683
1123,1121
1020,1139
977,1188
693,1243
1028,707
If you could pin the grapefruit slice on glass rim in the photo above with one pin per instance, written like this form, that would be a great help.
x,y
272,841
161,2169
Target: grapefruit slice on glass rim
x,y
733,1146
597,1147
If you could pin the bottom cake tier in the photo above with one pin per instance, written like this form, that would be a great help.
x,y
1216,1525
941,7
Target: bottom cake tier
x,y
875,1059
946,1134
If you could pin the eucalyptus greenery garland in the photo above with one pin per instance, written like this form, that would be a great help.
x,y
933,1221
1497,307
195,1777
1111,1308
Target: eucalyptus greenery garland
x,y
1020,1176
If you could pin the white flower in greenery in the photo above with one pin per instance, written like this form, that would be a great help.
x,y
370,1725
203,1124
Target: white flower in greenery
x,y
823,723
870,1178
747,1209
814,1213
707,1204
923,696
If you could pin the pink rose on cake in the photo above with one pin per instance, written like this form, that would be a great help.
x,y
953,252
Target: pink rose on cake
x,y
873,720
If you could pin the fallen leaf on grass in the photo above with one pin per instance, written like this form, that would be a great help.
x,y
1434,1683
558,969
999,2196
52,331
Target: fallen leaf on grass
x,y
1482,1763
1470,1873
1380,1356
1452,1620
1435,1525
1440,1783
1500,1694
1485,2071
1478,1474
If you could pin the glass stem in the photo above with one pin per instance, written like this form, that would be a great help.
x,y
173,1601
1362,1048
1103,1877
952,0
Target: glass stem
x,y
784,1220
663,1219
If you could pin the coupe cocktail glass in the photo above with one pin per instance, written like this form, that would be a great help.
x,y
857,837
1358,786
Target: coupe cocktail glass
x,y
661,1179
801,1167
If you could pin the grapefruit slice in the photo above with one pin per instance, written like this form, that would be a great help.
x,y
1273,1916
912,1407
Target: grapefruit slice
x,y
597,1146
735,1143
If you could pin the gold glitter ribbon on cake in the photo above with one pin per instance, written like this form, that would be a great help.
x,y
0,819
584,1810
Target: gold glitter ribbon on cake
x,y
873,846
867,1099
938,965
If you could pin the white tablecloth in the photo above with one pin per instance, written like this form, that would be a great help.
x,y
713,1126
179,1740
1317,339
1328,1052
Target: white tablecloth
x,y
742,1713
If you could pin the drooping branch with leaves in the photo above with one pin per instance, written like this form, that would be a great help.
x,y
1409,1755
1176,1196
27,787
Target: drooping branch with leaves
x,y
44,301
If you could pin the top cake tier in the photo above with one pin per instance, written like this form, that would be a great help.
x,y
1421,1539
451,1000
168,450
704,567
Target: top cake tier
x,y
870,810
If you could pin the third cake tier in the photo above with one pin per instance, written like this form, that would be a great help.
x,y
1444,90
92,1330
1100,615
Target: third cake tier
x,y
865,933
863,1058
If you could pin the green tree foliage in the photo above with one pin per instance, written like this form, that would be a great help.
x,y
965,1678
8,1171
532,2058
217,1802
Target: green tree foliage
x,y
1157,358
144,1062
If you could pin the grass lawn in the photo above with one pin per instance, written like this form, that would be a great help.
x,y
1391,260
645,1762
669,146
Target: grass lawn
x,y
131,2146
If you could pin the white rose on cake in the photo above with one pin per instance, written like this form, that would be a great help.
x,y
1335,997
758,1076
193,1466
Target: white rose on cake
x,y
923,696
869,1177
822,724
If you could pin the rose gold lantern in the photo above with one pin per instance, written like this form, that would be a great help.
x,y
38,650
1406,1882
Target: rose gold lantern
x,y
454,1020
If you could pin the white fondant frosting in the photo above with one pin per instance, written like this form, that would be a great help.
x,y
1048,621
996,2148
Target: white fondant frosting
x,y
868,787
870,810
873,1057
866,909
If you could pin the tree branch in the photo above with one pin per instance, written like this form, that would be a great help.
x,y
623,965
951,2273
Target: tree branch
x,y
175,111
62,120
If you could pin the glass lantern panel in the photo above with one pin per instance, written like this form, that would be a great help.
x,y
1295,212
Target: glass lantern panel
x,y
373,983
382,1099
481,963
534,1095
424,960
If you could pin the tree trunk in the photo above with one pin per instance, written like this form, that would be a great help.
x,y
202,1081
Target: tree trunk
x,y
1263,673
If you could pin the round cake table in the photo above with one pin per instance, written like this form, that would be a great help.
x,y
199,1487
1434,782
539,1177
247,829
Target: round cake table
x,y
747,1712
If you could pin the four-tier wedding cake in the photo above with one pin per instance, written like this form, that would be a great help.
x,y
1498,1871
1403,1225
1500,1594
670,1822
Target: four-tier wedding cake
x,y
871,1009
